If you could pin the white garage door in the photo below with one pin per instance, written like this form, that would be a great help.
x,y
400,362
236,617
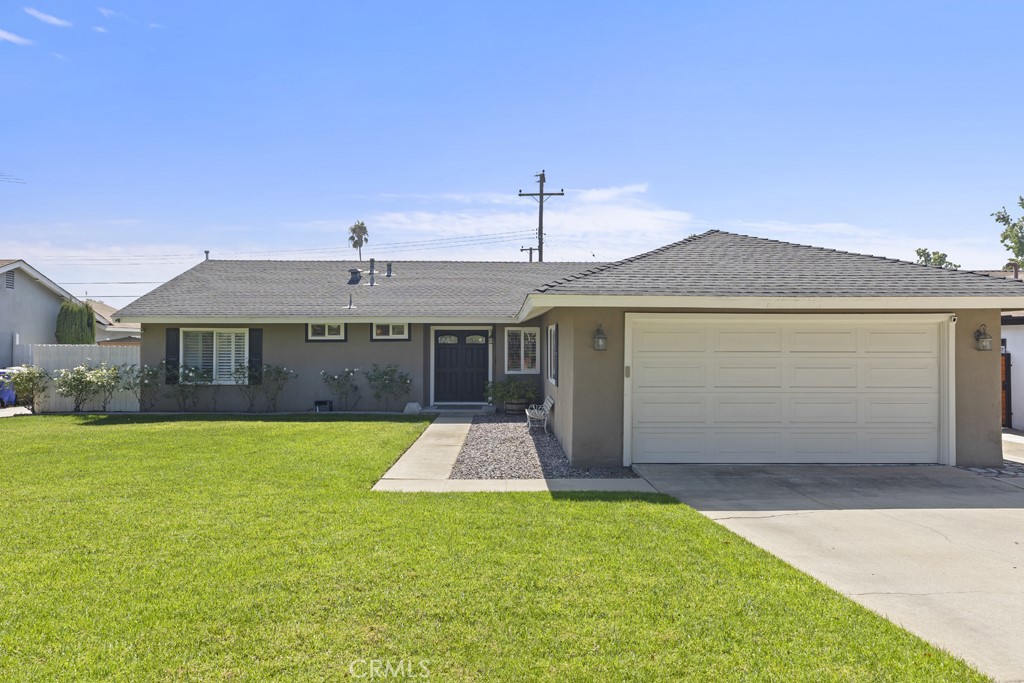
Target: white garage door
x,y
783,389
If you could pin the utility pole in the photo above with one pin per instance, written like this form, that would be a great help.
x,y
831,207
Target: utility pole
x,y
541,197
529,249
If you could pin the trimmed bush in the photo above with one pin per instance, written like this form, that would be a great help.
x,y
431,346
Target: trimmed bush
x,y
388,383
29,384
76,323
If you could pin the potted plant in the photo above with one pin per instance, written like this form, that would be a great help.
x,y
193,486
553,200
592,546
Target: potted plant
x,y
515,395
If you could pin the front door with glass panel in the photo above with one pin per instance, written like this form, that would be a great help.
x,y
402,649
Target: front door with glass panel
x,y
460,366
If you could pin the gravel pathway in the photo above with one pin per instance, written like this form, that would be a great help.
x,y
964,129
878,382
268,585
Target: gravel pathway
x,y
500,447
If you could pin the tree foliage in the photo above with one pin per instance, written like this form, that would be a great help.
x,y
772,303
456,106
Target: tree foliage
x,y
358,236
935,258
1013,232
76,323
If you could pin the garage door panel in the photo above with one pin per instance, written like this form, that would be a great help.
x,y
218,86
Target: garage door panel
x,y
748,340
919,410
749,374
834,391
740,409
658,410
902,340
660,338
823,341
819,410
901,374
823,374
668,372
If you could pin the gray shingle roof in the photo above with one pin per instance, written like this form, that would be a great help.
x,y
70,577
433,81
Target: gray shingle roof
x,y
303,289
723,264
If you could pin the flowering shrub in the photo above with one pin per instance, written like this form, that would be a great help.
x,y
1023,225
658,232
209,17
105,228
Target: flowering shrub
x,y
343,386
388,383
107,380
274,379
249,382
77,384
29,383
190,381
143,382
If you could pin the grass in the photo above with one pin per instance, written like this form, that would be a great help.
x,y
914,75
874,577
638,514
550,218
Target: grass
x,y
166,548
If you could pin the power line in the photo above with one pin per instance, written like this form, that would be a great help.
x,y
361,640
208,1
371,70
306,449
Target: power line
x,y
395,247
126,259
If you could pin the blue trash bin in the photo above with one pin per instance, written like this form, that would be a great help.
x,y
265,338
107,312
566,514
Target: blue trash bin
x,y
6,390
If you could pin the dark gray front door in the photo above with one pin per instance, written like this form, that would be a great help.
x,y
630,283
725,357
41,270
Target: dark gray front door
x,y
460,366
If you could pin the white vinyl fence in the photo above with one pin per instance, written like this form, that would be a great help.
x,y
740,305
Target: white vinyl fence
x,y
22,354
55,357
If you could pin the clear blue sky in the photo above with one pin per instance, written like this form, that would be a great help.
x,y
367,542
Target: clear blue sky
x,y
148,129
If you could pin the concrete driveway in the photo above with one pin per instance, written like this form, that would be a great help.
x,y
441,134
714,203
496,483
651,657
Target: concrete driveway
x,y
937,550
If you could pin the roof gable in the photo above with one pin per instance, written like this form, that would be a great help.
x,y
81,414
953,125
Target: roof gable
x,y
723,264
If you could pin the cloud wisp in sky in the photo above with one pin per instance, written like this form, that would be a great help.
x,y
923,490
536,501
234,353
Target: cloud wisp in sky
x,y
47,18
7,36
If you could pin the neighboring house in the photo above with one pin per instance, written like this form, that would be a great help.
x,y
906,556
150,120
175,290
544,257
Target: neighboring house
x,y
109,332
819,356
29,302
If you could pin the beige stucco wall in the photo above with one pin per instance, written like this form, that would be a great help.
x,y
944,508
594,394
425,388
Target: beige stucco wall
x,y
979,441
592,436
284,344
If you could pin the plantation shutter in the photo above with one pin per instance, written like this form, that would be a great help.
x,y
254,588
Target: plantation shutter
x,y
198,350
256,354
172,349
230,354
529,350
514,350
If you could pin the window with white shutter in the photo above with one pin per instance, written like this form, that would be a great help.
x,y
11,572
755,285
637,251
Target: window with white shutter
x,y
217,352
521,350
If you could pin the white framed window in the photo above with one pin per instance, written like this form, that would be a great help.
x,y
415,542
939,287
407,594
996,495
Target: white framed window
x,y
521,350
553,354
392,331
217,352
325,332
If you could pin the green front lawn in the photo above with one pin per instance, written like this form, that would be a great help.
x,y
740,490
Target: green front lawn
x,y
184,548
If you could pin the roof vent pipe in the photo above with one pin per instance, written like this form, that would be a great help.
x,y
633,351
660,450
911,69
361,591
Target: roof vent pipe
x,y
1016,269
353,276
207,252
389,269
373,274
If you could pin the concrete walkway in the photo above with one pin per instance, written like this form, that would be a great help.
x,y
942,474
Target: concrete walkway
x,y
11,412
937,550
428,463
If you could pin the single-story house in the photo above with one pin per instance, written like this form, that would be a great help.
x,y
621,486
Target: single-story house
x,y
818,356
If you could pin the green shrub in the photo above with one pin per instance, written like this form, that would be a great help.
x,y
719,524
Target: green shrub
x,y
29,384
107,379
273,381
512,390
388,383
343,386
190,381
77,384
144,383
76,323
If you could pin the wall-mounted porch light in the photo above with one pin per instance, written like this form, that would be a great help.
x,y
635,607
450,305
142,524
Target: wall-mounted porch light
x,y
982,339
600,339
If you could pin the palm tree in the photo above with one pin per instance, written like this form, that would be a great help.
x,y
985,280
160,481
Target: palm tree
x,y
358,235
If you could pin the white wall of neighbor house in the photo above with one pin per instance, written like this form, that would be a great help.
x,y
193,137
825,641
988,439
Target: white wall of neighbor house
x,y
28,314
1014,336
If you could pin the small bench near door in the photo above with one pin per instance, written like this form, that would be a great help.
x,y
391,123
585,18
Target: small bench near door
x,y
537,415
